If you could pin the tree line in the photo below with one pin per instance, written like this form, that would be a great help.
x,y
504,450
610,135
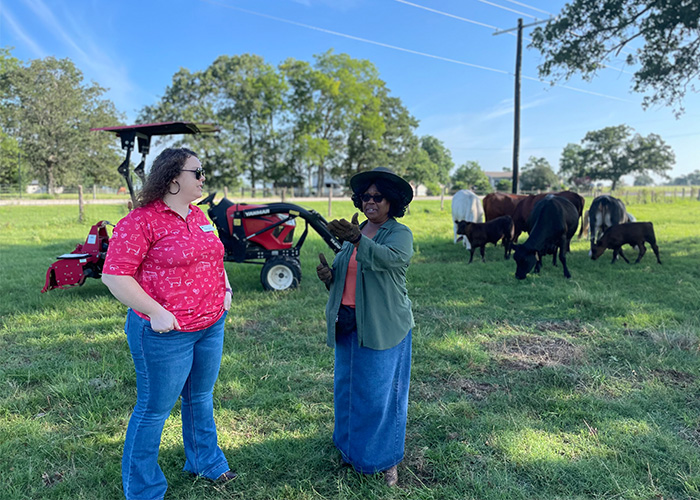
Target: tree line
x,y
299,124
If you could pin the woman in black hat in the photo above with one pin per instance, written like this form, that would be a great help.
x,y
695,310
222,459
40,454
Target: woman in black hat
x,y
369,323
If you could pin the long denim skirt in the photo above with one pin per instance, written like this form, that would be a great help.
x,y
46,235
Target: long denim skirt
x,y
370,390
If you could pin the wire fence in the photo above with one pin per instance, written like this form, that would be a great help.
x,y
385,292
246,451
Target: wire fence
x,y
634,195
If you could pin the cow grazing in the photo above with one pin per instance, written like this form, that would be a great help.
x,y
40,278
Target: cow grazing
x,y
479,234
524,208
632,233
606,211
500,204
466,206
553,223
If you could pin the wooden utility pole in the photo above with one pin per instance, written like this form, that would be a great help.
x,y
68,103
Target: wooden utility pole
x,y
516,111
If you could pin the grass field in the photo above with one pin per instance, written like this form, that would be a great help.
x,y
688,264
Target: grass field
x,y
545,388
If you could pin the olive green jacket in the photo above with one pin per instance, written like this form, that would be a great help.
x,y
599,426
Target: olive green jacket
x,y
383,309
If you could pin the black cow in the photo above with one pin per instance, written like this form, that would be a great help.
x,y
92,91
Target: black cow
x,y
553,222
481,233
606,211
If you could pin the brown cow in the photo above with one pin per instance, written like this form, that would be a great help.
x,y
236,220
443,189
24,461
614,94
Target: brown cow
x,y
632,233
500,204
524,208
479,234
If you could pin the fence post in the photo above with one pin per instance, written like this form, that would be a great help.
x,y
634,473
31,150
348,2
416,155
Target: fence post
x,y
80,203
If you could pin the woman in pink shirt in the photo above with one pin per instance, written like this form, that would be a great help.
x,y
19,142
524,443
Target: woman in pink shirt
x,y
165,262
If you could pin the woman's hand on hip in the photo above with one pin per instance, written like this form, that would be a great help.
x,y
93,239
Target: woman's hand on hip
x,y
164,321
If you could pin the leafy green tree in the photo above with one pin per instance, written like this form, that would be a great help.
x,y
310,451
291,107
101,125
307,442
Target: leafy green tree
x,y
399,140
662,38
365,137
537,175
245,97
440,156
337,101
470,176
612,153
10,160
643,180
691,179
9,147
504,185
50,111
420,169
192,97
573,166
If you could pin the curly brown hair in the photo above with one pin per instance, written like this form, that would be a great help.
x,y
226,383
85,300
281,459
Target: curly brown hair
x,y
167,165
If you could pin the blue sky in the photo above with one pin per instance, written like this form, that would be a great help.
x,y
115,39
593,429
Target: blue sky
x,y
439,56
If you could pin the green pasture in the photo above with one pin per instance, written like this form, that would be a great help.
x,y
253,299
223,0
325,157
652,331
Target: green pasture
x,y
545,388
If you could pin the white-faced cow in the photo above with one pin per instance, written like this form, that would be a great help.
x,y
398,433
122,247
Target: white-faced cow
x,y
466,206
606,211
481,233
633,233
553,222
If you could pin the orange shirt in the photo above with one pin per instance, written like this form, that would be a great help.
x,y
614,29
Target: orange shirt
x,y
350,281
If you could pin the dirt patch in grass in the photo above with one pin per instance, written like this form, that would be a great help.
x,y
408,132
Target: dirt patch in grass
x,y
477,390
673,377
416,470
435,389
691,435
51,478
533,351
573,328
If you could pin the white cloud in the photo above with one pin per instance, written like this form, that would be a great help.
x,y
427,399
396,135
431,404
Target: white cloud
x,y
88,55
33,46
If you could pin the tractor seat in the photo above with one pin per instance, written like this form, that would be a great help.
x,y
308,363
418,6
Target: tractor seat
x,y
74,256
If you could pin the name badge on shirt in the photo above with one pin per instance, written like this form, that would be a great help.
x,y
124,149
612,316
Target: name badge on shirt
x,y
207,228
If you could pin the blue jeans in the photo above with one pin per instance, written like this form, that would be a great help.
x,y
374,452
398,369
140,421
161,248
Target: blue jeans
x,y
169,365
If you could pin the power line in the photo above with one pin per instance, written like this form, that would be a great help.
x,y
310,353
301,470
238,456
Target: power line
x,y
394,47
495,27
529,7
447,14
506,8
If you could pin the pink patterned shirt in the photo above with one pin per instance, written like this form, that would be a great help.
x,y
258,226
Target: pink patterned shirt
x,y
179,263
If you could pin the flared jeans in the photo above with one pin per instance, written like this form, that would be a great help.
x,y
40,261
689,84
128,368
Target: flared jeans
x,y
169,365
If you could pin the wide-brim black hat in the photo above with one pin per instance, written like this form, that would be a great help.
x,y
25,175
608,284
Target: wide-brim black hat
x,y
357,181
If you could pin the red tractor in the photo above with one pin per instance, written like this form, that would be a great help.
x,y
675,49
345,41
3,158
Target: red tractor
x,y
260,234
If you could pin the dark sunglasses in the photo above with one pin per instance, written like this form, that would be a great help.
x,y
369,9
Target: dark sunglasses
x,y
197,173
376,197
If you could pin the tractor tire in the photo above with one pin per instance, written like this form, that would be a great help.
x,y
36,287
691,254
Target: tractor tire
x,y
280,273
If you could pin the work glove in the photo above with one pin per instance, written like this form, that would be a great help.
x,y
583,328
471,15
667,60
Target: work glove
x,y
344,230
323,271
